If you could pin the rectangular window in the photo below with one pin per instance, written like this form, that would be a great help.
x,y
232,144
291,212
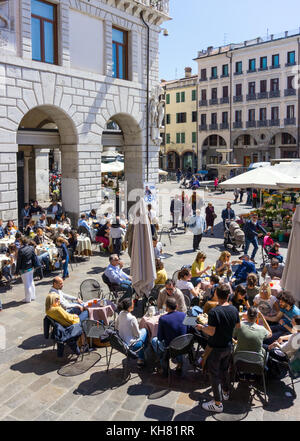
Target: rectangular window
x,y
214,93
291,58
225,117
178,97
290,82
203,95
263,63
238,90
252,88
194,116
203,74
263,114
214,118
44,31
168,119
182,97
214,72
274,85
180,118
275,60
251,114
168,138
182,138
168,98
252,65
238,116
178,138
203,119
274,113
194,137
194,95
263,86
290,112
238,67
225,71
120,53
225,92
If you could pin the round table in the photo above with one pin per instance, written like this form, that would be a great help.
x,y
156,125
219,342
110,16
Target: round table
x,y
7,240
97,312
151,324
52,250
276,288
63,226
84,246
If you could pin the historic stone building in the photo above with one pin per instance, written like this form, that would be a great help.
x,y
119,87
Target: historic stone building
x,y
68,68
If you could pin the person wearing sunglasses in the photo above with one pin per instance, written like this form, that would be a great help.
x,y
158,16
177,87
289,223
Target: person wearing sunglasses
x,y
117,276
171,291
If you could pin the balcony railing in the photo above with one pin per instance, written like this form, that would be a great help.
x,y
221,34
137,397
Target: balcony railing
x,y
274,94
290,64
213,127
262,95
277,66
250,124
274,122
290,121
214,101
238,73
225,76
224,126
289,92
251,97
238,99
214,77
251,71
238,125
203,103
263,123
203,79
202,127
261,69
224,100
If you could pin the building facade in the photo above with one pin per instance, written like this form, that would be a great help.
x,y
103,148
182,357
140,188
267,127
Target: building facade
x,y
68,68
249,100
179,145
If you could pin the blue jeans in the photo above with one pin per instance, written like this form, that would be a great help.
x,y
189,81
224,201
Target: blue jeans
x,y
65,267
126,284
140,342
196,280
254,242
6,272
160,349
83,315
45,259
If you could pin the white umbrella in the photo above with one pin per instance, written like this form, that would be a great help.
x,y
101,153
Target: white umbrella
x,y
142,268
112,167
290,280
162,172
262,177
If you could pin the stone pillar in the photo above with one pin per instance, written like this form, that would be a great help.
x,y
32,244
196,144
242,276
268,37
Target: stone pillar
x,y
8,182
26,176
57,158
277,153
267,156
41,174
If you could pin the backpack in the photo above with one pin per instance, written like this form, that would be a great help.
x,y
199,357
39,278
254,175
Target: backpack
x,y
275,367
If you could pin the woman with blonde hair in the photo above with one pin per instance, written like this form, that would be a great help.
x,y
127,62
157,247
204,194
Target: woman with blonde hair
x,y
161,273
198,270
266,302
223,264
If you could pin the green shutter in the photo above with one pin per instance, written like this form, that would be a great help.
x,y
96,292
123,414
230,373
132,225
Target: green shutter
x,y
168,138
182,97
177,118
168,118
178,97
194,137
168,98
193,95
182,138
178,138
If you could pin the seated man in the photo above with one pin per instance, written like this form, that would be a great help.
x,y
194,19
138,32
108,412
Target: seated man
x,y
273,270
170,326
117,276
171,292
70,303
56,209
40,237
244,268
42,223
83,222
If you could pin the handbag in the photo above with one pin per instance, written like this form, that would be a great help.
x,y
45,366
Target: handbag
x,y
214,215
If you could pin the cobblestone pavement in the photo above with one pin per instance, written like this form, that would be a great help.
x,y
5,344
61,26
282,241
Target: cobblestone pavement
x,y
34,385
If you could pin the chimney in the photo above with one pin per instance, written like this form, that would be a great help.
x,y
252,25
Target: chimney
x,y
188,72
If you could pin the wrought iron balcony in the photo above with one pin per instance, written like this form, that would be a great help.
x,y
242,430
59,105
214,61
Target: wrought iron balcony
x,y
202,127
251,71
274,122
224,126
238,125
261,69
214,78
213,127
203,79
289,92
239,73
238,99
225,76
276,66
290,64
274,94
214,101
263,123
203,103
262,95
290,121
250,124
224,100
251,97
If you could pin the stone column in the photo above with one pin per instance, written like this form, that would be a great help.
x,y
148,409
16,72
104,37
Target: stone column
x,y
42,174
277,153
8,182
26,176
57,158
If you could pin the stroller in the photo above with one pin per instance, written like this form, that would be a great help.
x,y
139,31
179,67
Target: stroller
x,y
233,235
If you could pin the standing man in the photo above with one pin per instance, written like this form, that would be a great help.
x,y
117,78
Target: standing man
x,y
222,320
178,175
251,229
228,214
197,225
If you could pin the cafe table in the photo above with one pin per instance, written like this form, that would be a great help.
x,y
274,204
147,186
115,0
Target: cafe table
x,y
84,246
276,288
51,249
151,324
100,312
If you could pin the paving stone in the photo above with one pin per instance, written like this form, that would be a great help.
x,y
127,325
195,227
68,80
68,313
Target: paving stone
x,y
64,402
39,383
29,410
47,416
75,414
105,411
122,415
49,394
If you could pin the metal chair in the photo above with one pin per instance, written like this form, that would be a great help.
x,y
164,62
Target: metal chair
x,y
285,364
250,363
175,276
184,344
168,231
115,291
82,230
90,289
153,297
94,329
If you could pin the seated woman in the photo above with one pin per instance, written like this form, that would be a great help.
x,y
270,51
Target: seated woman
x,y
266,303
184,283
274,252
212,301
60,315
161,273
12,254
102,235
10,228
239,298
128,328
251,287
64,219
73,240
223,265
93,214
29,230
198,270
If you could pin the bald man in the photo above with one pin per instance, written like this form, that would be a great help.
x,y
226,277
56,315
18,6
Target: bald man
x,y
70,303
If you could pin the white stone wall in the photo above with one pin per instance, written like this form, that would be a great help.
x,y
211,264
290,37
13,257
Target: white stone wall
x,y
79,102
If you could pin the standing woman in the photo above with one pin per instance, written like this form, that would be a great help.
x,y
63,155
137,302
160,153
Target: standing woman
x,y
62,245
26,261
210,218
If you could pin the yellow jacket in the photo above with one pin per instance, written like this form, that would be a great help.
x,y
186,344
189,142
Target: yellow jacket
x,y
161,277
61,316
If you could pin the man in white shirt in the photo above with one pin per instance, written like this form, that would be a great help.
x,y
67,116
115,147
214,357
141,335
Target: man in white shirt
x,y
197,225
157,248
116,275
71,304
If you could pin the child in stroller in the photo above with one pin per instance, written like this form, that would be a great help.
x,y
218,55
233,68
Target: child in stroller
x,y
271,249
233,235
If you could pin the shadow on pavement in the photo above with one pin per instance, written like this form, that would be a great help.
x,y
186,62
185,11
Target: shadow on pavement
x,y
36,342
40,364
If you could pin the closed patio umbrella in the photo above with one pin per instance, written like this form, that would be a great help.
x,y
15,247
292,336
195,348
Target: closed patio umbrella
x,y
290,280
142,268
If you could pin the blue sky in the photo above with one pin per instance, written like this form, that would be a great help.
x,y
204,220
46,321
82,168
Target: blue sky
x,y
198,24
